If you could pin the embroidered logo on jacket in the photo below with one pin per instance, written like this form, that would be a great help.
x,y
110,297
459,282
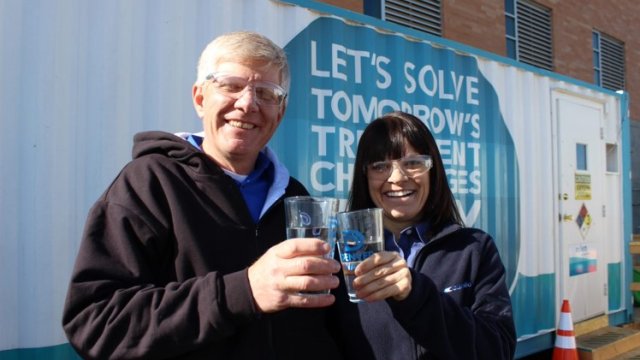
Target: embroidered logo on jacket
x,y
457,287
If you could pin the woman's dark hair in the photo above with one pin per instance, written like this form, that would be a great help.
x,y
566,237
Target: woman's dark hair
x,y
385,138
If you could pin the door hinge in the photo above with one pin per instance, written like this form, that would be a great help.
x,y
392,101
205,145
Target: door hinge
x,y
604,210
606,292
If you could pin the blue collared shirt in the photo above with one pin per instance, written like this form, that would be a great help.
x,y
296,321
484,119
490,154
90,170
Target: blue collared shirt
x,y
255,186
411,239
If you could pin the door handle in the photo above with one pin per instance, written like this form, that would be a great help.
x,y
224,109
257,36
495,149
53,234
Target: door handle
x,y
567,217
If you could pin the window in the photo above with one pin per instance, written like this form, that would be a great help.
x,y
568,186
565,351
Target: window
x,y
528,32
608,61
612,158
581,157
510,22
423,15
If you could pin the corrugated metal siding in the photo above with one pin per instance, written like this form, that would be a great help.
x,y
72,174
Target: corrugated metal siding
x,y
77,80
533,125
526,116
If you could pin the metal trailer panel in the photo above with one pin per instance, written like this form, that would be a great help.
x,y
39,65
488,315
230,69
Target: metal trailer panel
x,y
77,80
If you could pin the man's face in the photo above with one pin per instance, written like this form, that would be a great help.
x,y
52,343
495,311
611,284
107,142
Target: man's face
x,y
237,129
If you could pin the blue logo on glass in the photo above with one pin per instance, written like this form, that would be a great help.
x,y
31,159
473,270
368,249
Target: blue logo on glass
x,y
344,76
353,248
305,218
353,240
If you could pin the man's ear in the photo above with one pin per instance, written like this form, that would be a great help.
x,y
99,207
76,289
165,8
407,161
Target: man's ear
x,y
283,107
198,98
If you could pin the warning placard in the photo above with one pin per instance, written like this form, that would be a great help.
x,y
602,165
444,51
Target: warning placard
x,y
584,220
583,186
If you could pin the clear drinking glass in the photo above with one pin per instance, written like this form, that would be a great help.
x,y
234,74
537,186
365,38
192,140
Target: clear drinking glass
x,y
360,235
312,217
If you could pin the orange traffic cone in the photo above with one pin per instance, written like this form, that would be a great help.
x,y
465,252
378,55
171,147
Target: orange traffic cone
x,y
565,348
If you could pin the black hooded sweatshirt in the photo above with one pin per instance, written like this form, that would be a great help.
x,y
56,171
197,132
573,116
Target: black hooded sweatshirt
x,y
162,267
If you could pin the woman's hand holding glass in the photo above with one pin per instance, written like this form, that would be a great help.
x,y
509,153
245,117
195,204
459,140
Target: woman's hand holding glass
x,y
383,275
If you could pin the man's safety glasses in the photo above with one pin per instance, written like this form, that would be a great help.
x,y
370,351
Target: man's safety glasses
x,y
265,93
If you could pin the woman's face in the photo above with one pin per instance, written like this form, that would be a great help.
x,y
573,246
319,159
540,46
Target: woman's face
x,y
402,197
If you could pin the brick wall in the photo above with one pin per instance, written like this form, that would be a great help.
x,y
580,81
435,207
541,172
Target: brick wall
x,y
479,23
573,23
353,5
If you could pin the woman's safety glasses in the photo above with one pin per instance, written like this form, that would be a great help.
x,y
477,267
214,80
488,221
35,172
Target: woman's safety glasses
x,y
411,166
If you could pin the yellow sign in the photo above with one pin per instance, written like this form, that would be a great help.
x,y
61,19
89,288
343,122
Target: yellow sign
x,y
583,186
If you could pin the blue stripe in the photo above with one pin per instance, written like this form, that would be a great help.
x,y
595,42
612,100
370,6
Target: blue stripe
x,y
614,275
533,302
58,352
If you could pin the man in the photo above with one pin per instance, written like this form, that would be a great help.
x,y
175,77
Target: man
x,y
182,256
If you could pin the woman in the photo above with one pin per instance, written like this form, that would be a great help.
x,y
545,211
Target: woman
x,y
443,284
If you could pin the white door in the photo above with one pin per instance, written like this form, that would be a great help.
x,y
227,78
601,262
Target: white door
x,y
582,261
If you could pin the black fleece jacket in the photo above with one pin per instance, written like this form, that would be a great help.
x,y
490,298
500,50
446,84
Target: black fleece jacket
x,y
459,307
162,267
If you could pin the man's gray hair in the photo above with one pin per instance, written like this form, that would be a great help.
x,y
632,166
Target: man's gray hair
x,y
244,47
